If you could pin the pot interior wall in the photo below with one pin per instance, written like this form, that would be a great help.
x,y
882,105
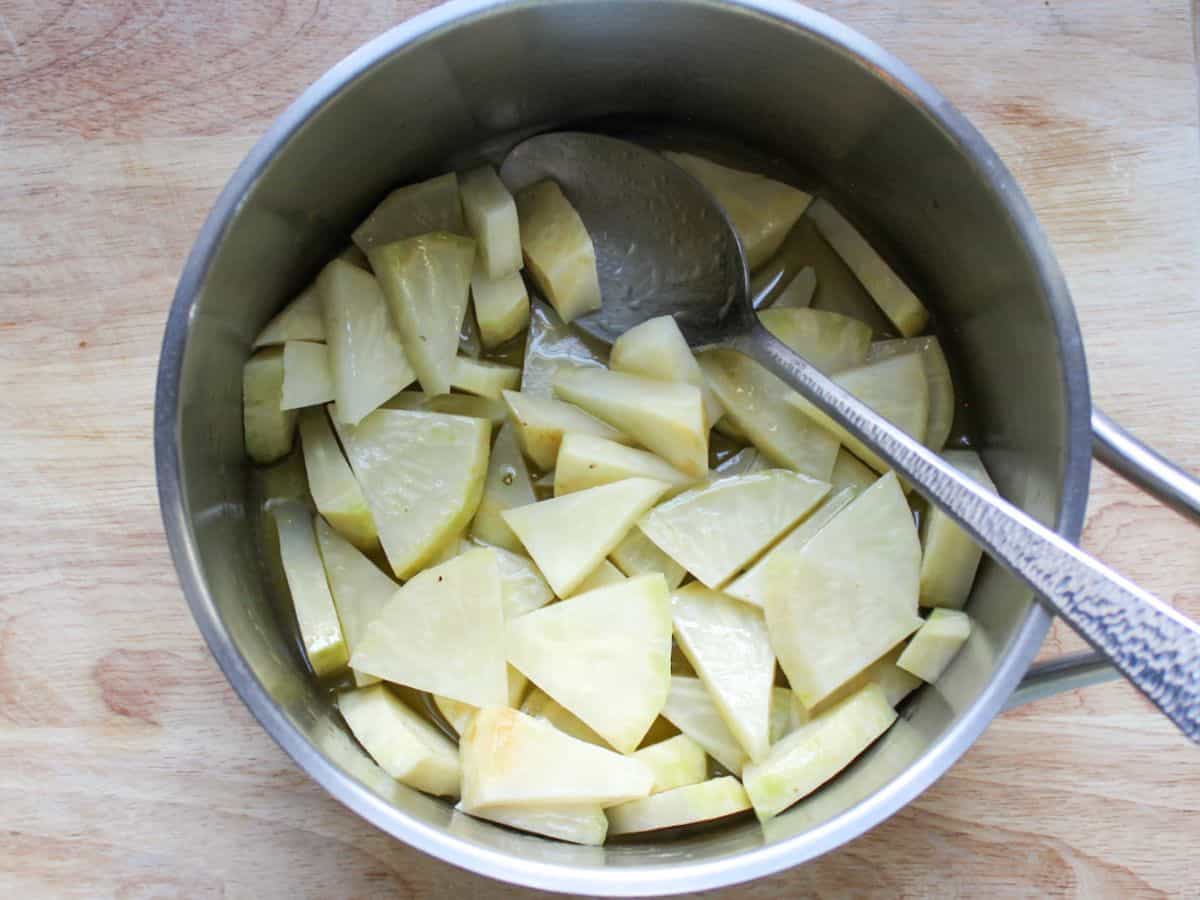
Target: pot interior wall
x,y
783,90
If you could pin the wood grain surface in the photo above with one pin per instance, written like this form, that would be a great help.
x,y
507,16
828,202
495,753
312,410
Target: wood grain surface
x,y
128,767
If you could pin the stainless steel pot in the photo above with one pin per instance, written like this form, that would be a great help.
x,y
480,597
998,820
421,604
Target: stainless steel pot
x,y
786,80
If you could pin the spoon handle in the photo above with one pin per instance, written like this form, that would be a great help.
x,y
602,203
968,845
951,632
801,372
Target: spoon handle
x,y
1150,643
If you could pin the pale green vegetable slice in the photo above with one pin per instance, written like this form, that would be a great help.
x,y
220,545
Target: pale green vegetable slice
x,y
491,216
300,320
895,683
761,210
716,530
937,376
746,461
449,549
663,416
657,349
486,379
757,582
577,824
494,411
676,762
799,291
827,340
422,474
542,706
509,758
558,250
690,708
638,555
406,746
935,644
712,799
569,536
585,461
501,306
269,430
755,402
541,423
895,388
307,379
950,557
726,642
450,612
522,587
432,205
427,281
604,655
816,751
848,472
886,288
786,714
366,356
360,591
848,595
320,628
334,489
604,575
551,345
458,714
507,486
837,289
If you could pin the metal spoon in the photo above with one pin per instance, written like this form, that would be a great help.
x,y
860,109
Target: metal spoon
x,y
663,246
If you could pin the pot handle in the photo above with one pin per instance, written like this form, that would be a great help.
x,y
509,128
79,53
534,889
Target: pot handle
x,y
1160,478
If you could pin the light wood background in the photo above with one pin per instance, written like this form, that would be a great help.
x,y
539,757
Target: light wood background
x,y
128,767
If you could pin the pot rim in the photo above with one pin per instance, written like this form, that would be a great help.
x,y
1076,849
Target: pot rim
x,y
654,879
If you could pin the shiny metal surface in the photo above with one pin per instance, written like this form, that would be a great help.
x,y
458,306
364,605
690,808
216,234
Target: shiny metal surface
x,y
464,82
1145,467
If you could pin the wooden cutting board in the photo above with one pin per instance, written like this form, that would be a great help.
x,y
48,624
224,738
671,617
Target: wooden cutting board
x,y
127,765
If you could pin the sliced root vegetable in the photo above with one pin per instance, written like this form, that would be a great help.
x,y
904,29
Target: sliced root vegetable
x,y
761,210
407,747
558,250
604,655
848,595
522,587
551,345
542,422
676,762
486,379
816,751
501,306
366,356
895,683
827,340
664,417
935,644
353,254
511,759
569,536
578,824
507,486
786,714
494,411
657,349
799,291
320,629
716,530
712,799
848,472
300,320
746,461
452,611
458,714
756,403
542,706
428,206
886,288
895,388
269,430
638,555
690,708
427,281
422,474
491,217
604,575
334,489
942,403
307,378
950,557
586,461
360,591
726,642
757,583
